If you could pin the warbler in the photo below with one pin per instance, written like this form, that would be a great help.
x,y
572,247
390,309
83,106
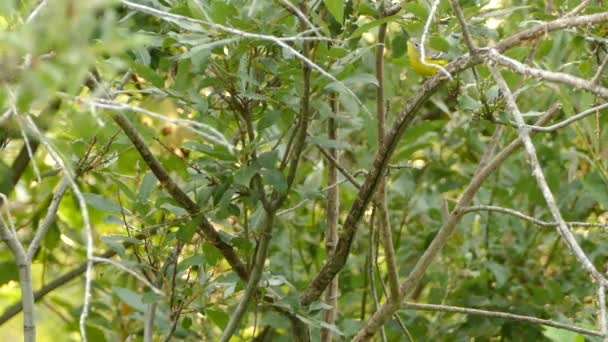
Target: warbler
x,y
413,52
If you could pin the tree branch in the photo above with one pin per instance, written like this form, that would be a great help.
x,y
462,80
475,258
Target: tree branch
x,y
442,236
497,314
205,228
333,266
524,135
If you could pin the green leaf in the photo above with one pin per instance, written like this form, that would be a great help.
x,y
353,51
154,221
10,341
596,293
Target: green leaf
x,y
186,231
243,175
222,11
361,79
9,272
336,8
270,118
149,74
101,203
6,176
215,151
268,160
595,187
416,9
276,179
52,237
147,185
186,322
468,104
129,297
328,143
151,297
177,211
212,254
439,44
124,189
500,272
560,335
218,317
197,259
317,306
368,26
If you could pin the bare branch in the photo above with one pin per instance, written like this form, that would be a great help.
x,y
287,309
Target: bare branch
x,y
568,121
498,314
333,266
194,25
49,219
425,32
576,10
130,271
529,218
25,277
602,316
333,214
600,70
384,226
205,227
36,11
463,25
442,237
558,77
524,135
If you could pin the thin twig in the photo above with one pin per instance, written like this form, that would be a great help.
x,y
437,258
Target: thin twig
x,y
193,24
576,10
600,70
530,219
205,227
425,32
340,168
497,314
602,316
384,226
463,25
36,11
373,255
333,213
404,119
25,278
130,271
524,135
442,236
568,121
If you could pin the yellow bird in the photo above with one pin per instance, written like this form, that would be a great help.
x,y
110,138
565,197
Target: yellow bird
x,y
413,52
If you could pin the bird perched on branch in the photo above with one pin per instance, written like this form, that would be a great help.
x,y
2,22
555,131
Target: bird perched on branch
x,y
413,52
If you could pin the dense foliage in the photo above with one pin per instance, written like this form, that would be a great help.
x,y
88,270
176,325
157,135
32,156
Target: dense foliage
x,y
225,102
